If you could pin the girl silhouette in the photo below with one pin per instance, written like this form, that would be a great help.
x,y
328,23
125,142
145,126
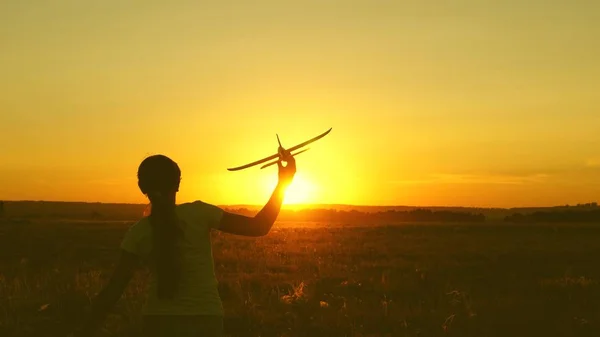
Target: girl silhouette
x,y
174,240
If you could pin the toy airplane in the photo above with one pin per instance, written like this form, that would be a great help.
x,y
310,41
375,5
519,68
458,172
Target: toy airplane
x,y
281,153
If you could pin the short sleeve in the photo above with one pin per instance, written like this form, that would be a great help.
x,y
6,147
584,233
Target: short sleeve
x,y
138,239
207,213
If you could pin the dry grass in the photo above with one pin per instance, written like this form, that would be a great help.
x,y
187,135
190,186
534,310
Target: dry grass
x,y
402,280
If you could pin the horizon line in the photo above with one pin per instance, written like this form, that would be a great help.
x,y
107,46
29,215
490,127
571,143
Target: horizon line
x,y
316,204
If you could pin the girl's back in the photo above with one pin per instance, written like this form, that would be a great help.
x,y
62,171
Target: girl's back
x,y
197,292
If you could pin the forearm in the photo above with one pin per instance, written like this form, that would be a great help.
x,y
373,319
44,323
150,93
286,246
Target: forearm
x,y
261,223
102,304
269,213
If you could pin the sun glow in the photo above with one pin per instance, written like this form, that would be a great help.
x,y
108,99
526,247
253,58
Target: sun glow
x,y
301,191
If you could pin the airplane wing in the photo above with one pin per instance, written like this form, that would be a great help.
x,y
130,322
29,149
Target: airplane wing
x,y
275,162
260,161
254,163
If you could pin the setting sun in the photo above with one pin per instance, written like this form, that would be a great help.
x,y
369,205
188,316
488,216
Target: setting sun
x,y
301,191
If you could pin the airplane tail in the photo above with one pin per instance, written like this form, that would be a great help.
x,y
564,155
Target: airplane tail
x,y
280,150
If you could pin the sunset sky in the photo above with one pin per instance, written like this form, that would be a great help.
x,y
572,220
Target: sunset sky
x,y
475,103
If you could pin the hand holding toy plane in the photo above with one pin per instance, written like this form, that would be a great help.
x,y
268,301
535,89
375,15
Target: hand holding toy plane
x,y
281,154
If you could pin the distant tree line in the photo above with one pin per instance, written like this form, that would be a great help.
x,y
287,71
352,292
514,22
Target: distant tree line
x,y
332,215
556,216
587,212
587,205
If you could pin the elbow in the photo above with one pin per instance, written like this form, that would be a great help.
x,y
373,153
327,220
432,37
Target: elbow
x,y
262,228
263,231
258,234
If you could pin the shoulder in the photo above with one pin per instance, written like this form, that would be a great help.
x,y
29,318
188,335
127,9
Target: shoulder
x,y
137,237
201,212
140,227
198,208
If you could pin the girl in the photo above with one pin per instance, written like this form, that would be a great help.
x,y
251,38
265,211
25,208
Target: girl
x,y
183,298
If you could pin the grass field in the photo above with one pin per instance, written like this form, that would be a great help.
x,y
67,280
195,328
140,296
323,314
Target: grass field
x,y
328,280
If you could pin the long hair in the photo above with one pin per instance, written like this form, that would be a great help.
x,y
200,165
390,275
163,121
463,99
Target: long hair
x,y
158,178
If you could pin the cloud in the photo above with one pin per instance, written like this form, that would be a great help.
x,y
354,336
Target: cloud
x,y
413,182
113,182
593,162
483,178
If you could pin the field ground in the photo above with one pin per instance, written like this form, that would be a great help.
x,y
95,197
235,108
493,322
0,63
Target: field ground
x,y
314,280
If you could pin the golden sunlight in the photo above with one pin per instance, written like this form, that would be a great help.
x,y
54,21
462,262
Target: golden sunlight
x,y
301,191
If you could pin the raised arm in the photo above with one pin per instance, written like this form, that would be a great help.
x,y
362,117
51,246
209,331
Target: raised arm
x,y
262,222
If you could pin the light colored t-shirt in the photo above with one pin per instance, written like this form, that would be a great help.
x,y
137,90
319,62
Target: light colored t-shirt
x,y
197,291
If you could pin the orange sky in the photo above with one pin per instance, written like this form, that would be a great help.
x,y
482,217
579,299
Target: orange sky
x,y
476,103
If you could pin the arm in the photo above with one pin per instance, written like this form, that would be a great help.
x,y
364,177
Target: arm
x,y
258,225
262,222
111,293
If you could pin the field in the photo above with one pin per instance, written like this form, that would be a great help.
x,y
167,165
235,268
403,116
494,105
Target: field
x,y
308,279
